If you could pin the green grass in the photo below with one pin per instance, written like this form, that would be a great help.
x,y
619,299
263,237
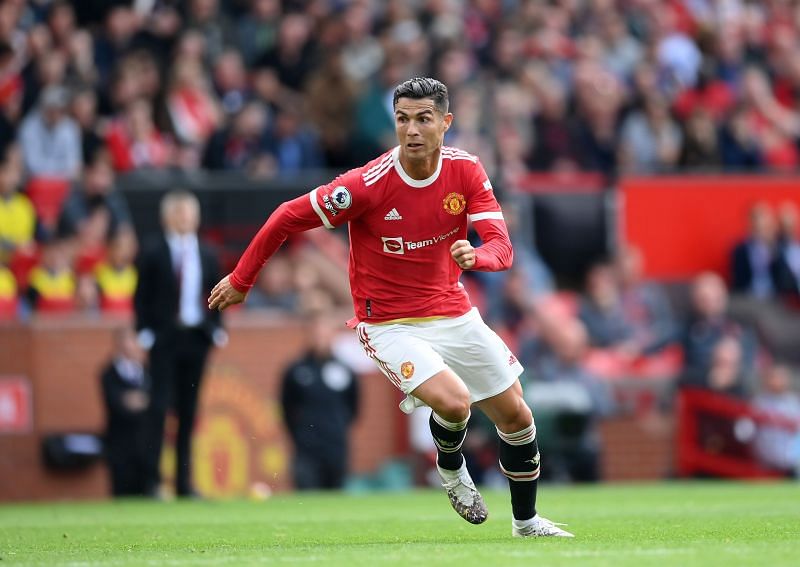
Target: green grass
x,y
704,524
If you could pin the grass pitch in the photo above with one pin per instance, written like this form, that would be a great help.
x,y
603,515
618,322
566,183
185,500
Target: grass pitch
x,y
682,524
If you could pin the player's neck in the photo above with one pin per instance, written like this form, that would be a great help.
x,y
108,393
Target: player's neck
x,y
420,169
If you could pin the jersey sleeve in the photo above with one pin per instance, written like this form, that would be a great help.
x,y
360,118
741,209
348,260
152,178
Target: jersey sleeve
x,y
328,205
484,212
341,200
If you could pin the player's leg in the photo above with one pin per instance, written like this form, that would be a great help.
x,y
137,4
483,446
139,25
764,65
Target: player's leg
x,y
519,460
418,370
449,398
490,371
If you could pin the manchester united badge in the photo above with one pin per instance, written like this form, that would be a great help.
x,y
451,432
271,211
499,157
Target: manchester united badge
x,y
454,203
407,369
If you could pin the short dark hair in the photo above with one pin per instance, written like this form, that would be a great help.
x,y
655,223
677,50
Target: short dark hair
x,y
423,87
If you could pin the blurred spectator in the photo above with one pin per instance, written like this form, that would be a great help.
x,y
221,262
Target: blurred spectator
x,y
645,306
701,144
96,190
52,283
126,393
84,111
135,142
50,139
205,17
319,397
292,143
553,132
241,146
708,325
777,447
230,81
17,216
331,102
90,242
292,57
116,274
363,54
726,374
601,310
786,265
192,108
374,127
274,288
650,139
120,26
258,29
569,402
751,260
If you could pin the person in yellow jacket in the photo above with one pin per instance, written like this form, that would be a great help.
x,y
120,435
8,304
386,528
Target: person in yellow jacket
x,y
52,283
116,276
17,215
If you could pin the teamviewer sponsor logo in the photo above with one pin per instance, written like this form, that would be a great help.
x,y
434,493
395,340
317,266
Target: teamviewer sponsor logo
x,y
430,241
393,244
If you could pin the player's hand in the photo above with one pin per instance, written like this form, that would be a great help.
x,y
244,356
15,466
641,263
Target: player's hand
x,y
463,253
224,295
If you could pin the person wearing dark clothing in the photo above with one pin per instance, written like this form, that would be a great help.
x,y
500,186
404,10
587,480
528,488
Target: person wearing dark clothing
x,y
176,271
126,394
752,259
320,401
97,189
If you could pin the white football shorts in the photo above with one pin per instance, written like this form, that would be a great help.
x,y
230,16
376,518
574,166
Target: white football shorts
x,y
410,353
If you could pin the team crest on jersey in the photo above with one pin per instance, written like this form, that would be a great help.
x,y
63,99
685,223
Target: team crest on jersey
x,y
454,203
341,197
407,369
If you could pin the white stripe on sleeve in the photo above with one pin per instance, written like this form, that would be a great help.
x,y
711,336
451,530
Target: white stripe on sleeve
x,y
315,205
494,215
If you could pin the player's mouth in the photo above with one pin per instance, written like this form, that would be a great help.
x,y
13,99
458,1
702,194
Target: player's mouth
x,y
414,145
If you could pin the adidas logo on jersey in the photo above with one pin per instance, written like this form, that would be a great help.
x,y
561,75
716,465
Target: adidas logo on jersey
x,y
393,215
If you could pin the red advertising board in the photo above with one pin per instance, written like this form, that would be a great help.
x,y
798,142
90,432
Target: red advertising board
x,y
15,405
688,224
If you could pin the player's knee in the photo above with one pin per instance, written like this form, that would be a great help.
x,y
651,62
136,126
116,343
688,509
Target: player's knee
x,y
454,406
517,420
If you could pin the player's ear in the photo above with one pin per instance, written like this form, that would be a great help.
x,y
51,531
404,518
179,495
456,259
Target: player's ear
x,y
448,119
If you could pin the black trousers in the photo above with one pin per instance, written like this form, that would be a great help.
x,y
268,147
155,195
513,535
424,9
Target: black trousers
x,y
177,363
315,470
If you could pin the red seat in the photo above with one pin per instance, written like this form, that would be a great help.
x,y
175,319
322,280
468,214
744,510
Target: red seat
x,y
21,264
8,309
53,306
116,306
47,195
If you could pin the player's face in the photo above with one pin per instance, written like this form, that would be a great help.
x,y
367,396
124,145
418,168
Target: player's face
x,y
420,127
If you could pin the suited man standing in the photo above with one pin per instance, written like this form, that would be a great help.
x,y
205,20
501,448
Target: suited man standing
x,y
176,273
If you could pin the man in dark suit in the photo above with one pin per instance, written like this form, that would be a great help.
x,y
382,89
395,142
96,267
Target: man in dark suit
x,y
176,272
751,259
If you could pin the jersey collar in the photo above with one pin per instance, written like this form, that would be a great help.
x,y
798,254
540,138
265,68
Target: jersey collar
x,y
407,178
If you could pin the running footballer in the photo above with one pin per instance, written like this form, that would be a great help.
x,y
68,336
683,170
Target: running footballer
x,y
408,212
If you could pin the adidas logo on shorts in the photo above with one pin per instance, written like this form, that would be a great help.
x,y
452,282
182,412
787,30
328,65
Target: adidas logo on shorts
x,y
393,215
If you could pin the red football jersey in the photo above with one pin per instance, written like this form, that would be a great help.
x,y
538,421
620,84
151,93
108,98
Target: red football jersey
x,y
401,230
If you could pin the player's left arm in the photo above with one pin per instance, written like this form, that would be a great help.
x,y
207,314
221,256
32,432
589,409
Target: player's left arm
x,y
483,211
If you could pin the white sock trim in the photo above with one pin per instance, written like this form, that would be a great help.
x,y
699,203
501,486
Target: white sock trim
x,y
449,425
522,437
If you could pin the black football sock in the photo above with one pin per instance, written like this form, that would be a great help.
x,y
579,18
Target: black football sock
x,y
448,438
519,462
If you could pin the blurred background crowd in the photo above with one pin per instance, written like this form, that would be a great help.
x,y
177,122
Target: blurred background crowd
x,y
92,90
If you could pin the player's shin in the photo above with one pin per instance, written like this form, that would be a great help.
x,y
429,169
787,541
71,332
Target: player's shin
x,y
448,438
519,462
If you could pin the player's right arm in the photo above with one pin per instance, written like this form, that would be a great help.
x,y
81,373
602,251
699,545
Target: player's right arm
x,y
328,205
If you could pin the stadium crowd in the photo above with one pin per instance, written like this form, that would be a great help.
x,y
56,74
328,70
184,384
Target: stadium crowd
x,y
91,90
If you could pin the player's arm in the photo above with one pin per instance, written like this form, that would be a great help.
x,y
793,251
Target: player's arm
x,y
483,210
328,205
